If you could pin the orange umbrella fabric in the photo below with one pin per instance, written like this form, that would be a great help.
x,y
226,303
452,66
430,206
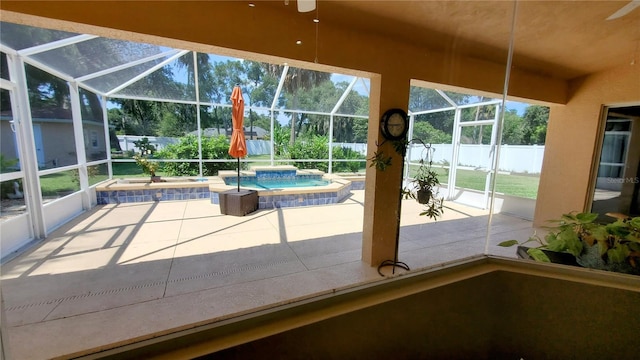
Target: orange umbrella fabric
x,y
238,145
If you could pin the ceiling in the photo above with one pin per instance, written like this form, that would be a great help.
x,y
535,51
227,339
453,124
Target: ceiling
x,y
560,39
563,39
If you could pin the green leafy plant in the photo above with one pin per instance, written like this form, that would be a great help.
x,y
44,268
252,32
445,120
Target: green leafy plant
x,y
340,152
280,140
214,147
380,161
91,172
148,166
7,165
144,146
423,188
313,147
613,247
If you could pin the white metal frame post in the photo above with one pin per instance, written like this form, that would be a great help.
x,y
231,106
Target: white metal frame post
x,y
10,86
81,154
409,149
31,182
107,136
493,168
273,109
339,103
198,120
453,167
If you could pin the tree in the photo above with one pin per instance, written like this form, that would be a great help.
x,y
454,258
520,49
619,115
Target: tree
x,y
320,98
177,119
512,129
264,122
296,81
140,116
324,97
427,133
260,88
535,118
429,99
47,93
224,77
480,134
90,105
360,130
345,128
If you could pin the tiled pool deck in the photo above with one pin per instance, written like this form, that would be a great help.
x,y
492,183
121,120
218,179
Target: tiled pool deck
x,y
129,271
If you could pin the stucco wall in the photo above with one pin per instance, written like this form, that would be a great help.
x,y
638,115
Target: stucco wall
x,y
572,139
501,315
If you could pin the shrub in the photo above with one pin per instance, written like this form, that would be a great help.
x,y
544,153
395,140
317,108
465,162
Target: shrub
x,y
145,146
215,147
316,147
347,166
8,187
148,167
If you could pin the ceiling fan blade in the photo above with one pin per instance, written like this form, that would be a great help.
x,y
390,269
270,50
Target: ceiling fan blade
x,y
306,5
623,10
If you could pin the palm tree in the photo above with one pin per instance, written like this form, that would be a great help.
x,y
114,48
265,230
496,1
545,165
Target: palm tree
x,y
260,87
296,81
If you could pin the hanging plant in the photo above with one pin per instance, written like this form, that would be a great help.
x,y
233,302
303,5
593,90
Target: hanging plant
x,y
423,188
381,161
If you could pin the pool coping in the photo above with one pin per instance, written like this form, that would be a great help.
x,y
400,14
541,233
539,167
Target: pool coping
x,y
175,183
115,191
337,182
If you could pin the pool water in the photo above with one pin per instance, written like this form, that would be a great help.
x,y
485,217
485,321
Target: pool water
x,y
276,184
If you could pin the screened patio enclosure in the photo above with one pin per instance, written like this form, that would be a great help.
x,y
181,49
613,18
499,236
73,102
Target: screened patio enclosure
x,y
69,101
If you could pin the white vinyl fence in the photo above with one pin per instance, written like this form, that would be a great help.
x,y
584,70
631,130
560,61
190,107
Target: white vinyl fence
x,y
254,147
127,142
359,147
513,158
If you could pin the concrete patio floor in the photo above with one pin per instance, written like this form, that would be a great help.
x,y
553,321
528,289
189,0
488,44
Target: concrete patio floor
x,y
123,273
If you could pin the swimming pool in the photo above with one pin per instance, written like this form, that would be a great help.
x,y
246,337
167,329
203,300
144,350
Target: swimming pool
x,y
285,186
312,187
276,184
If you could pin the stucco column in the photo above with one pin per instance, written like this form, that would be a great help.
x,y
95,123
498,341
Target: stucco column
x,y
382,188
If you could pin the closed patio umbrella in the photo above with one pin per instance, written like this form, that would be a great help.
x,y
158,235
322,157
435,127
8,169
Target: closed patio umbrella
x,y
238,145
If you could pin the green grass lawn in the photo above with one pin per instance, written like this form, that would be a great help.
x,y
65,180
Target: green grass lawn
x,y
510,184
131,169
65,182
59,183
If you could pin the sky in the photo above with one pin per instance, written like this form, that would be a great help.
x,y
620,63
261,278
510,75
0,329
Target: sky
x,y
362,86
518,106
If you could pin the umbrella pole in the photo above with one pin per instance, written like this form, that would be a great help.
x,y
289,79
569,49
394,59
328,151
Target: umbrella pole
x,y
238,174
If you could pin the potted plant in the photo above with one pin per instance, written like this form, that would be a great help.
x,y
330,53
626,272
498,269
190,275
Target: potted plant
x,y
148,167
423,188
613,247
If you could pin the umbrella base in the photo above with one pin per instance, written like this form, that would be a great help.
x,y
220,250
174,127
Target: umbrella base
x,y
238,203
